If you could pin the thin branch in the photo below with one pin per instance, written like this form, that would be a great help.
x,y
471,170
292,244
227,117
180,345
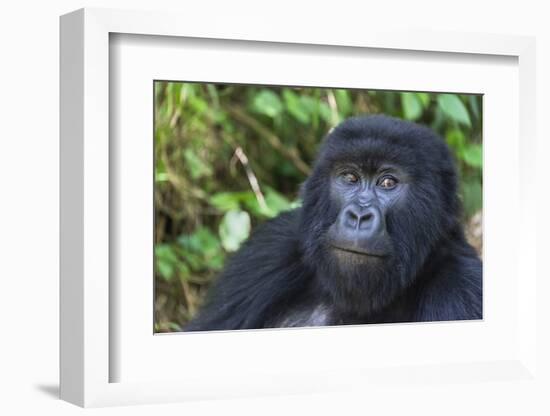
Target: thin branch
x,y
251,177
335,118
189,300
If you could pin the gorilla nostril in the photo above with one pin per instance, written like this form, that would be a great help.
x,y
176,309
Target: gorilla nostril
x,y
352,218
367,217
366,220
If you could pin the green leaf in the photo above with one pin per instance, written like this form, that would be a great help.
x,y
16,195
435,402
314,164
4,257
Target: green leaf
x,y
424,98
473,155
475,102
166,270
268,103
166,260
225,201
412,106
325,112
454,109
195,261
456,139
472,196
173,326
176,92
198,104
310,104
294,106
161,177
343,102
197,168
276,202
231,201
202,241
234,229
297,203
250,202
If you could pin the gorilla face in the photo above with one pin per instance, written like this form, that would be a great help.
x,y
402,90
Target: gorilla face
x,y
375,207
363,199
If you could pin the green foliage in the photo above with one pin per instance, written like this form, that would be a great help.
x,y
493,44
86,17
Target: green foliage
x,y
412,105
295,107
454,108
268,103
274,202
196,166
473,155
226,201
208,197
167,260
472,195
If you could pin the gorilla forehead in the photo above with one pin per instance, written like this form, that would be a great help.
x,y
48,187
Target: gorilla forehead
x,y
373,141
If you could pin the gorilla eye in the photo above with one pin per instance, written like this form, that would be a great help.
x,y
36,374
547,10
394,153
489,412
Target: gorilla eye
x,y
387,182
350,177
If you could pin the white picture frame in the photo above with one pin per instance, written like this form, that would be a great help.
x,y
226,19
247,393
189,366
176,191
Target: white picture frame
x,y
87,302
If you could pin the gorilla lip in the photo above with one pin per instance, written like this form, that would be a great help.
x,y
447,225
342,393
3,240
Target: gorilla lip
x,y
360,252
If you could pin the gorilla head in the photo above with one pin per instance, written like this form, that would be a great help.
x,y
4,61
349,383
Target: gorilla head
x,y
382,195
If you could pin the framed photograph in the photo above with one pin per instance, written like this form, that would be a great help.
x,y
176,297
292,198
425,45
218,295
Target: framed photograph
x,y
279,213
362,236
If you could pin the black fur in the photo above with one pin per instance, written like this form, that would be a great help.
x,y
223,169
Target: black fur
x,y
286,275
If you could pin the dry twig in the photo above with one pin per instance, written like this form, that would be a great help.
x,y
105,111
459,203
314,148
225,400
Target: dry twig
x,y
251,177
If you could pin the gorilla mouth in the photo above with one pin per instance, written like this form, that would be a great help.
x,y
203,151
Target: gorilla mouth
x,y
359,251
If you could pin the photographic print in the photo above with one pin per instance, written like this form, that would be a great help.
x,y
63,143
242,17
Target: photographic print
x,y
280,206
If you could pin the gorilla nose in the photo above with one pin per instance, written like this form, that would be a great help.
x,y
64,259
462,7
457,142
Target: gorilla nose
x,y
362,218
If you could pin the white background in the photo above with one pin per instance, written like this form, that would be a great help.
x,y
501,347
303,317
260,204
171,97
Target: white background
x,y
137,61
29,206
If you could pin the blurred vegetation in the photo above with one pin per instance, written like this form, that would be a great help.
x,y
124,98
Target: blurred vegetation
x,y
228,157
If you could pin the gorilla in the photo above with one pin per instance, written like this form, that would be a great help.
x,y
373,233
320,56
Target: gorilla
x,y
378,239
